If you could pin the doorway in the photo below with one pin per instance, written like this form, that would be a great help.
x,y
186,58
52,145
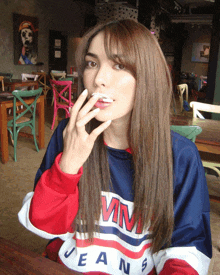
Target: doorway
x,y
57,51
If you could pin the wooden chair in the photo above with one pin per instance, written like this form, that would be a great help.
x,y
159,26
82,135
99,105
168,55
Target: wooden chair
x,y
61,88
199,106
25,76
20,118
181,88
201,81
42,80
7,76
57,75
2,81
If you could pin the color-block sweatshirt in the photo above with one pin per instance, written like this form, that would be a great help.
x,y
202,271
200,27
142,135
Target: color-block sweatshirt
x,y
120,248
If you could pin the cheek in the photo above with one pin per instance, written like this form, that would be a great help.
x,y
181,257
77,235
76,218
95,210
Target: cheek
x,y
87,79
128,84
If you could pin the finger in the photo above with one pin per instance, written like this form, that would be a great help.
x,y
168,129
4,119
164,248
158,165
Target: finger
x,y
76,107
96,132
80,124
64,132
88,106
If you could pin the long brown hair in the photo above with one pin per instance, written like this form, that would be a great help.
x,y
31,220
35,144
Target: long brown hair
x,y
149,138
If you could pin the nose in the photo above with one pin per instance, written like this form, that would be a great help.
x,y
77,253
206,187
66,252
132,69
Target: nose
x,y
103,76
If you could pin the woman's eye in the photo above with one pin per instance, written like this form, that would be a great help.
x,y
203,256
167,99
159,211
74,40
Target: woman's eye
x,y
90,64
119,67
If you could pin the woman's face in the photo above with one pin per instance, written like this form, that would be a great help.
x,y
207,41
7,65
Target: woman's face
x,y
103,76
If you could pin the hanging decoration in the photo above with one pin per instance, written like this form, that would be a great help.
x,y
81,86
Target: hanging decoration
x,y
115,11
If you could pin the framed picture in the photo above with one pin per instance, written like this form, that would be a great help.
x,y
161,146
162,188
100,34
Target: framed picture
x,y
57,54
200,52
57,43
25,39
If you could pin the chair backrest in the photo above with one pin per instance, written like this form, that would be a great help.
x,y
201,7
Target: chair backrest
x,y
58,93
2,81
201,81
25,76
189,132
199,106
68,78
57,74
181,88
6,75
27,107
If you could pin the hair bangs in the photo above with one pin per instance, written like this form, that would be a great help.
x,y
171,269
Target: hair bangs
x,y
116,39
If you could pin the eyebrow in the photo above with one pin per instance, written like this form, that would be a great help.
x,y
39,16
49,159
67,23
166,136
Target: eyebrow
x,y
92,55
115,56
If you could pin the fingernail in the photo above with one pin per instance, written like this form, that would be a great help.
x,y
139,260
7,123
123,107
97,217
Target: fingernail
x,y
85,92
96,110
109,121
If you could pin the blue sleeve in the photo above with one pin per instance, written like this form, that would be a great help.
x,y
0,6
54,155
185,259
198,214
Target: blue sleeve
x,y
54,147
191,198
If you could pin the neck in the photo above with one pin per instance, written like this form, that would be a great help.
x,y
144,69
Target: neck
x,y
116,135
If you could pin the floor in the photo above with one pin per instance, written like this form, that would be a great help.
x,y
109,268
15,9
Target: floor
x,y
17,179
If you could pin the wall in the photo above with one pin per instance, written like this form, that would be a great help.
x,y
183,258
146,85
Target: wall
x,y
53,15
196,34
217,83
73,43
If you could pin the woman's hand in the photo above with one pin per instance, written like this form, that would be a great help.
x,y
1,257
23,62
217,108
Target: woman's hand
x,y
78,143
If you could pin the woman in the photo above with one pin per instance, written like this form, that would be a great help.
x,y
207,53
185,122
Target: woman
x,y
121,193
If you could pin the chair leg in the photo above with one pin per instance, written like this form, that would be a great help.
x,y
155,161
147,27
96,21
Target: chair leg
x,y
11,136
35,140
213,166
54,118
15,137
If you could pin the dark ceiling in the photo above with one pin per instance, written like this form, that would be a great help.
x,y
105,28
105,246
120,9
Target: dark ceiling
x,y
170,6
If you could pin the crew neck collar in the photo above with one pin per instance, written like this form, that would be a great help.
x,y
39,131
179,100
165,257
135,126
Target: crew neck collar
x,y
126,150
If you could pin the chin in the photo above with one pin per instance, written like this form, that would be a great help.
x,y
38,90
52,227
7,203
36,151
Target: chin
x,y
102,118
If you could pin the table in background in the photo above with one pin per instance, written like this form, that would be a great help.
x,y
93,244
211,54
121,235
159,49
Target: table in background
x,y
7,104
15,259
16,83
209,139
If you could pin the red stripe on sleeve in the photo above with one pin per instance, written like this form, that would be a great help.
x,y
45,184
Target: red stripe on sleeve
x,y
177,267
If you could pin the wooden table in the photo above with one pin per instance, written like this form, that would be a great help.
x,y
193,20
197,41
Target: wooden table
x,y
7,104
15,259
209,140
15,83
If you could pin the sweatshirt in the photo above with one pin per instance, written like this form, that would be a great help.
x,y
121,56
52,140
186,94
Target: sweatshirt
x,y
119,247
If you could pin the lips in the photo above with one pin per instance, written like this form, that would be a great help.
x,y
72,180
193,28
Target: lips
x,y
103,98
101,104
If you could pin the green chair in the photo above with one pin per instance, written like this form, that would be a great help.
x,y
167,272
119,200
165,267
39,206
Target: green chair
x,y
189,132
23,117
68,78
